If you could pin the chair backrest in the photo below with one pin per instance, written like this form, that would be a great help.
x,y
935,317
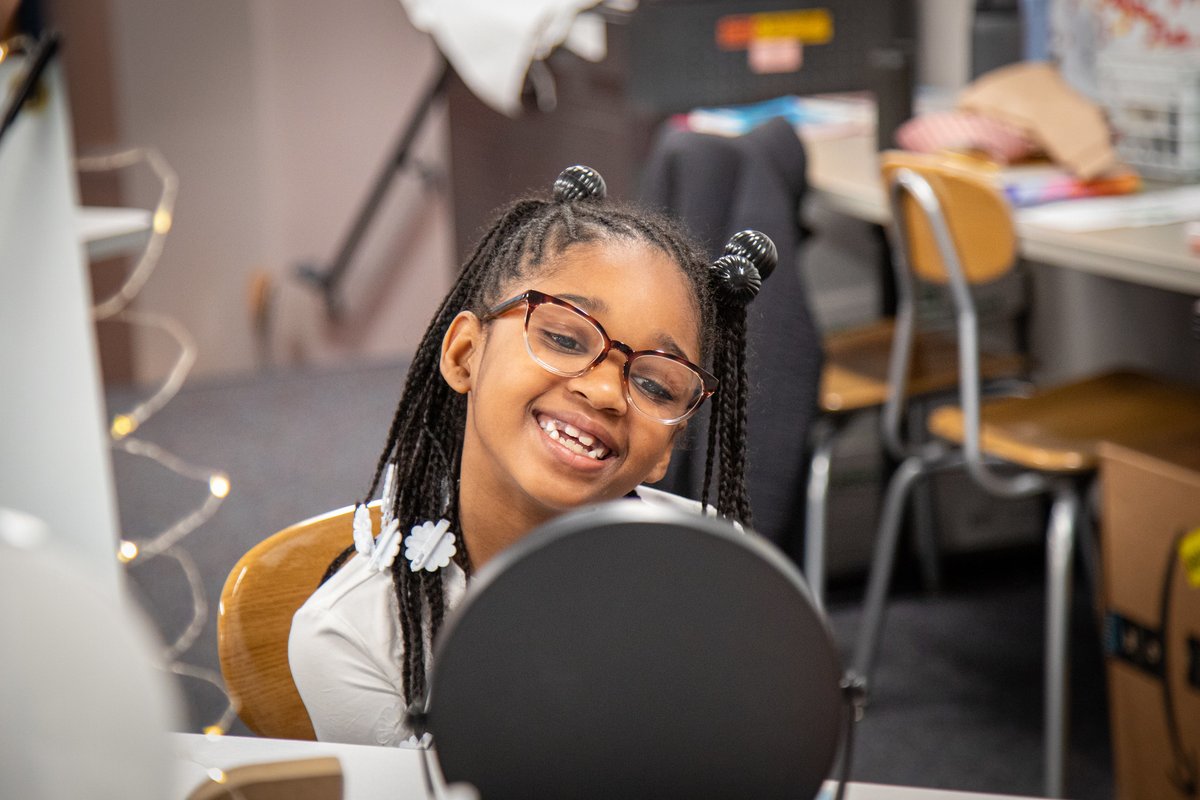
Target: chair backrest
x,y
977,215
261,594
950,226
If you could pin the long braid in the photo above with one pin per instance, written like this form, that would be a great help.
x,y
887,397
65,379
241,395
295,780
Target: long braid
x,y
425,437
414,641
714,427
407,630
732,498
749,259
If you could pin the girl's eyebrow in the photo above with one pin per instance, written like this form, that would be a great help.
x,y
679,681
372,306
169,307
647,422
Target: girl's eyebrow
x,y
596,306
592,305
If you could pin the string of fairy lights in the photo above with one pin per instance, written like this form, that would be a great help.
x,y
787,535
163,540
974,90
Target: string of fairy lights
x,y
167,542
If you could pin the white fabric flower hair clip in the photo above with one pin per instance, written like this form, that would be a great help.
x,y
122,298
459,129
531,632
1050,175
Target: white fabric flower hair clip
x,y
364,534
430,546
387,547
382,550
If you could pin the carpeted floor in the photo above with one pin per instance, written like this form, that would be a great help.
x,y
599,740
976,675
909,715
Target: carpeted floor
x,y
957,697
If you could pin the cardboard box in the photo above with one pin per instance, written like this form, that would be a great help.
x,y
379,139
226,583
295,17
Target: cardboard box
x,y
1151,568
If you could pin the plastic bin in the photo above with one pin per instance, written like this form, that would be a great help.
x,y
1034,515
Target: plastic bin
x,y
1153,104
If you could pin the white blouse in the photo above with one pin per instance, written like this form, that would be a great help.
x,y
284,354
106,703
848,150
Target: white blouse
x,y
346,648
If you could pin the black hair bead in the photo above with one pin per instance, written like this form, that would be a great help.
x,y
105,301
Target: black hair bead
x,y
755,247
579,183
737,280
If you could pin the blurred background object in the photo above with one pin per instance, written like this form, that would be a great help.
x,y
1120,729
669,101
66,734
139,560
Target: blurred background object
x,y
86,706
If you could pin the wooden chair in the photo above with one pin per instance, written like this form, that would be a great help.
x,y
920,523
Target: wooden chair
x,y
254,619
855,379
952,228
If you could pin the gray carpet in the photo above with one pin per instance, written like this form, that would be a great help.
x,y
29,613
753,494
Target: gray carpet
x,y
956,702
957,698
294,444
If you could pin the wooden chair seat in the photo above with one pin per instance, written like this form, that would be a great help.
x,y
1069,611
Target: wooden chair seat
x,y
855,375
1060,429
254,620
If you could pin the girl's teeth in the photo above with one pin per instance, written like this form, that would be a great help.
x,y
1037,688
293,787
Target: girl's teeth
x,y
574,447
579,442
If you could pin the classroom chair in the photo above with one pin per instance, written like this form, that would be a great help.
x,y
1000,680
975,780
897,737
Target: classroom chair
x,y
854,380
264,589
951,227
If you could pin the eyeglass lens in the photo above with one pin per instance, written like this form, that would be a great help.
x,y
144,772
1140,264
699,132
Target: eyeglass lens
x,y
566,343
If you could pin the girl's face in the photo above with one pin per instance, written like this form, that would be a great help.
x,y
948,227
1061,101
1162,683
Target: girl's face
x,y
641,298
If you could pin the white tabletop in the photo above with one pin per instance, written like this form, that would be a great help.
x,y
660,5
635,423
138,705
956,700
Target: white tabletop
x,y
389,773
844,176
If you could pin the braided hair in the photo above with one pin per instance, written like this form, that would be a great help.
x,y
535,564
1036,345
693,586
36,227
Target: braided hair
x,y
425,440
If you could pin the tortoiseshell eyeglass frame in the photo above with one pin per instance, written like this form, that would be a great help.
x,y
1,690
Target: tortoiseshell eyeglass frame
x,y
533,298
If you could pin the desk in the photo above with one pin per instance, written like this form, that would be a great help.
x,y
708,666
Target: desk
x,y
843,174
390,773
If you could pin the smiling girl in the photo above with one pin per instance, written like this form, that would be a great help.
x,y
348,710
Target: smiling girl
x,y
559,371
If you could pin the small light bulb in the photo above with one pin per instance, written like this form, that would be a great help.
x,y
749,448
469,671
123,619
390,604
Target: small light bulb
x,y
127,551
122,426
162,221
219,485
217,775
214,732
3,52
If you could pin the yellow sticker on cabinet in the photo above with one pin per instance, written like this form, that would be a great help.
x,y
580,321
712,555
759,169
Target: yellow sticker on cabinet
x,y
803,25
1189,556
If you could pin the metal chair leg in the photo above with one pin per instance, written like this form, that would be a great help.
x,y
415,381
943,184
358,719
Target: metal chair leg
x,y
891,517
823,434
924,512
1060,546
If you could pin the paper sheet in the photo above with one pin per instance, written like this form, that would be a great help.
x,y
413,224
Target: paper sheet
x,y
1127,211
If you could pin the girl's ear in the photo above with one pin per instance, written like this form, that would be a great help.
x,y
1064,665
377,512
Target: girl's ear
x,y
460,350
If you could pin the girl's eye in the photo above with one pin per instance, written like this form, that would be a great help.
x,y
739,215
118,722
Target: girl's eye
x,y
654,390
561,341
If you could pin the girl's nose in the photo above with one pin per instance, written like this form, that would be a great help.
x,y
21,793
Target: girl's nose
x,y
602,386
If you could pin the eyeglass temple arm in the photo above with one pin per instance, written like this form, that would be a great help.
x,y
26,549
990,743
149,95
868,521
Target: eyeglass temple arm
x,y
506,306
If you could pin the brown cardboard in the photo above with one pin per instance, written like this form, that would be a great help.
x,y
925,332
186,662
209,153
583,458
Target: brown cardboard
x,y
1034,97
1150,496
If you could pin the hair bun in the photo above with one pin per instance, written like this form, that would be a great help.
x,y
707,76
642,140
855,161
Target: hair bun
x,y
737,280
579,183
757,248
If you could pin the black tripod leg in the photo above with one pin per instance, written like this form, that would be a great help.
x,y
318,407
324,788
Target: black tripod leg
x,y
328,280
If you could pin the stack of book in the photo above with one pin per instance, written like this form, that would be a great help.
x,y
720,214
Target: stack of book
x,y
1034,184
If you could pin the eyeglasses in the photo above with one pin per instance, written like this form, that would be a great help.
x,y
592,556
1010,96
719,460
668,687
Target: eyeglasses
x,y
567,341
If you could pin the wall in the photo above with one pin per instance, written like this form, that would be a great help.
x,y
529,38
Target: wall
x,y
277,115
